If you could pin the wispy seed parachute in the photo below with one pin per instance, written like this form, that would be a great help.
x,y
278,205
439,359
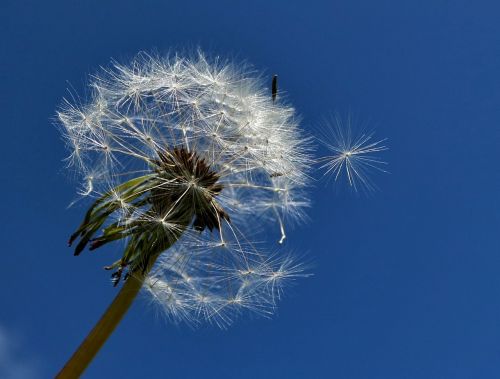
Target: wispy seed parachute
x,y
353,153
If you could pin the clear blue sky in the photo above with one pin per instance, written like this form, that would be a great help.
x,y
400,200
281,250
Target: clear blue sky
x,y
406,281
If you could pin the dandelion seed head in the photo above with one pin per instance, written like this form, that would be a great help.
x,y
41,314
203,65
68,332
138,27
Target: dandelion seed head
x,y
191,150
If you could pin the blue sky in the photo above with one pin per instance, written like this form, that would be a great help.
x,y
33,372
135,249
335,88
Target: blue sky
x,y
405,281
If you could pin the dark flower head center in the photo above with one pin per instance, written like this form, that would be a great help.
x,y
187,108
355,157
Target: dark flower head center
x,y
188,185
180,192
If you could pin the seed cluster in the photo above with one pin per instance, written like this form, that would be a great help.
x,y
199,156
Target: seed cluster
x,y
191,161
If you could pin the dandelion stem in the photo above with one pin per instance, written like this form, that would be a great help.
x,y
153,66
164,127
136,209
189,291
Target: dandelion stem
x,y
103,329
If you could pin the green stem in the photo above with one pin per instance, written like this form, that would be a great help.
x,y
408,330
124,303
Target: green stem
x,y
103,329
88,349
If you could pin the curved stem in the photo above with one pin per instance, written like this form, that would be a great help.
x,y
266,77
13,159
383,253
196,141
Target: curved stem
x,y
88,349
103,329
91,345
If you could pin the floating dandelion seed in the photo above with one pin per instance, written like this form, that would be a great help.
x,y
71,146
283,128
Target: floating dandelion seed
x,y
182,157
353,154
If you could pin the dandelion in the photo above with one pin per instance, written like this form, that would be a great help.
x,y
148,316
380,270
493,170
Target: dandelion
x,y
353,154
183,157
